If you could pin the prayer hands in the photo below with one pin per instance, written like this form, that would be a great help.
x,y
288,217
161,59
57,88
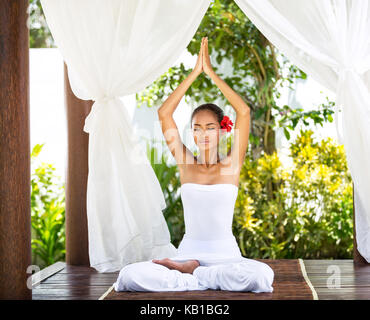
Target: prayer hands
x,y
203,62
198,69
207,67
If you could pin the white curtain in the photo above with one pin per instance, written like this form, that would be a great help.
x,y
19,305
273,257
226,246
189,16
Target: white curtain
x,y
114,48
330,40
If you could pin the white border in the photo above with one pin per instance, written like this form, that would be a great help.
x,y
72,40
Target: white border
x,y
303,269
106,293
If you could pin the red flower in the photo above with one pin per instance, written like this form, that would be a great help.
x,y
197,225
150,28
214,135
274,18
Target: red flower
x,y
226,123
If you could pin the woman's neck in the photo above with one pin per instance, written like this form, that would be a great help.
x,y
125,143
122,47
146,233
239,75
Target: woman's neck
x,y
208,157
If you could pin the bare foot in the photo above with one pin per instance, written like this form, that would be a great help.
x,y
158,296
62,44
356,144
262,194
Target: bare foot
x,y
185,267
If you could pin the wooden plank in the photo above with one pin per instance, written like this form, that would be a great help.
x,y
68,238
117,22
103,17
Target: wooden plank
x,y
47,272
85,283
46,297
85,291
84,269
354,279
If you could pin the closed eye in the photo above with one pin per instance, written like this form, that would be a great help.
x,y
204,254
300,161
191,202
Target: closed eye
x,y
196,129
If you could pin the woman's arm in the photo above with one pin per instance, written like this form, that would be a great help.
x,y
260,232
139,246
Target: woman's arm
x,y
235,100
170,131
169,106
242,123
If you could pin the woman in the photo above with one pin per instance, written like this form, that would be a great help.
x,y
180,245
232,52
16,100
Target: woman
x,y
208,256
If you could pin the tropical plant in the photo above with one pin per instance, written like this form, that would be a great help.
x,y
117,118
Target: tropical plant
x,y
309,215
47,212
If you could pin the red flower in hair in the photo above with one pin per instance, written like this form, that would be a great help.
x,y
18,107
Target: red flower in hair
x,y
226,123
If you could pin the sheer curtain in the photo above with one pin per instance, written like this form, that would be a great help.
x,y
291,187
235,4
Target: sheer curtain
x,y
329,40
114,48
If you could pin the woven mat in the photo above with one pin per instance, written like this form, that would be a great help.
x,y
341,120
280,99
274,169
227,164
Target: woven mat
x,y
290,283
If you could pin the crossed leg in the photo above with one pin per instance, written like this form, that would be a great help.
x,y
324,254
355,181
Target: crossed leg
x,y
246,275
150,276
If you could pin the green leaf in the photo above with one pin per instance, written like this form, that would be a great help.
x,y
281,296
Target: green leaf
x,y
286,133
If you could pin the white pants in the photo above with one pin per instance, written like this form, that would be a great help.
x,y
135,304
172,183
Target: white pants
x,y
246,275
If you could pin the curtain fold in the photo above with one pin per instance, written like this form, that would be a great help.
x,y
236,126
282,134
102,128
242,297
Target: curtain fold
x,y
114,48
329,40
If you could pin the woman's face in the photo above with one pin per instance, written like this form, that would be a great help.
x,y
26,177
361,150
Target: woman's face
x,y
205,129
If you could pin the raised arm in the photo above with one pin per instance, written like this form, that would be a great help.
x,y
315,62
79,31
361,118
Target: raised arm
x,y
170,131
242,123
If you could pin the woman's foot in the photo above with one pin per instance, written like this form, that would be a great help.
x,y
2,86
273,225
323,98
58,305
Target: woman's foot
x,y
185,267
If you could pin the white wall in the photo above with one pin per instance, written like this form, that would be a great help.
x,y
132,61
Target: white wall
x,y
47,116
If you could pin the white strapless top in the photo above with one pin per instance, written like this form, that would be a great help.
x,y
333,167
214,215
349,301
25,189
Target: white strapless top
x,y
208,216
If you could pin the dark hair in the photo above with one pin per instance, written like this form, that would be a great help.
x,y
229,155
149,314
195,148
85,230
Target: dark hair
x,y
218,112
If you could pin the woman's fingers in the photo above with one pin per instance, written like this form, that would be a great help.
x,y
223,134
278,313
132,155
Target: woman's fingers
x,y
201,49
207,67
199,67
199,64
201,52
205,51
206,46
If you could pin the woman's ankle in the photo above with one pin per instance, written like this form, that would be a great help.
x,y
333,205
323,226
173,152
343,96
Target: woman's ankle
x,y
193,264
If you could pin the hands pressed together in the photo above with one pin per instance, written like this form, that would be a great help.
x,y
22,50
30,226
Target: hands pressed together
x,y
203,61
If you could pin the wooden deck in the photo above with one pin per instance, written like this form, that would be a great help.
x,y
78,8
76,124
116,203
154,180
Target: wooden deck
x,y
331,280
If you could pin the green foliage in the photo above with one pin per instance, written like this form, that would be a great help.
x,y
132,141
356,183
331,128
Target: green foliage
x,y
40,36
258,73
310,213
47,213
289,118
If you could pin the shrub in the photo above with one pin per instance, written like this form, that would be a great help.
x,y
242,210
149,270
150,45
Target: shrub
x,y
47,213
302,211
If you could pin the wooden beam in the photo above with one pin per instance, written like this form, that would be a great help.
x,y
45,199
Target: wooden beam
x,y
77,252
357,257
15,171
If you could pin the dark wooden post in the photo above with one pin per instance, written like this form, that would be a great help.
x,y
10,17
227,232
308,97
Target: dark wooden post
x,y
357,257
76,178
15,171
